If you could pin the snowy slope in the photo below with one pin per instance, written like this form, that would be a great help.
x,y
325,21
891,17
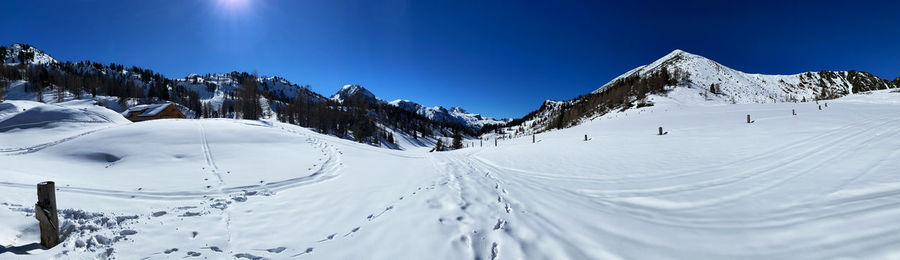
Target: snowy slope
x,y
743,88
213,89
355,91
701,81
436,113
32,55
818,185
453,115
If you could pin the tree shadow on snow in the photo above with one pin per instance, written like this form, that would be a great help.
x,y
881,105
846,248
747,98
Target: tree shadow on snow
x,y
21,250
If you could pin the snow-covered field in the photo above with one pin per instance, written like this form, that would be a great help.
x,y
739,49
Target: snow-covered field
x,y
818,185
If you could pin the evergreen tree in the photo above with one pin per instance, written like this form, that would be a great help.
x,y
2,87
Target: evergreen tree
x,y
439,146
457,140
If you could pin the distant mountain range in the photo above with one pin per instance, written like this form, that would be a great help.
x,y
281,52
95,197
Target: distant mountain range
x,y
214,89
678,75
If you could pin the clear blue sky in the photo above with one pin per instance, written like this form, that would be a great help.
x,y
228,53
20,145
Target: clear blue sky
x,y
498,58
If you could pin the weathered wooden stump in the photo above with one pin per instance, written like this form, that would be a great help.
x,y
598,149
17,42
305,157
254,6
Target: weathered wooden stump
x,y
45,212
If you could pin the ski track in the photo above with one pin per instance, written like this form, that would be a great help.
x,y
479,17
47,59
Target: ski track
x,y
476,198
323,171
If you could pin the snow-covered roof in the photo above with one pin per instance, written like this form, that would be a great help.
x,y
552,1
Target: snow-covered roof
x,y
147,110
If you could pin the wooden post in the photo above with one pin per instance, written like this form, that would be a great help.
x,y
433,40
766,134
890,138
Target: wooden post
x,y
585,137
794,112
532,138
482,142
820,107
45,212
495,141
748,118
826,104
660,130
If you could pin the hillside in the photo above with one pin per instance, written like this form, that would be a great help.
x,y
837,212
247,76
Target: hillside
x,y
455,115
28,73
821,184
689,78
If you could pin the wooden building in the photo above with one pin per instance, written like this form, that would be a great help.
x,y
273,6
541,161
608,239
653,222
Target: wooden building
x,y
153,111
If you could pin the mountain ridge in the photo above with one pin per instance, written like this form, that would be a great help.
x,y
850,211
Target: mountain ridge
x,y
679,72
214,90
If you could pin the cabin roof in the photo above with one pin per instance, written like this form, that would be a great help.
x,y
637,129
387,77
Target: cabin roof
x,y
146,110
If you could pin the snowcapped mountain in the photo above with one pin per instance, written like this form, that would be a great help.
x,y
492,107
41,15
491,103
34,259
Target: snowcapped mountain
x,y
214,89
739,87
453,115
16,53
348,92
437,113
686,78
222,95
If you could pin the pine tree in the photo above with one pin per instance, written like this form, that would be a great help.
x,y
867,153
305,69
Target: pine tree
x,y
439,146
457,140
3,85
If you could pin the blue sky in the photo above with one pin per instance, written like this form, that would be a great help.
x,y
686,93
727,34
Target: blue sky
x,y
498,58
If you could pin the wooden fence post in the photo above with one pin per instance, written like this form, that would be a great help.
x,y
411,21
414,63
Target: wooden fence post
x,y
495,141
820,107
794,112
660,130
45,212
585,137
826,104
748,118
532,138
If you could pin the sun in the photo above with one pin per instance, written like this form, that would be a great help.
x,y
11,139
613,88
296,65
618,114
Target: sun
x,y
233,5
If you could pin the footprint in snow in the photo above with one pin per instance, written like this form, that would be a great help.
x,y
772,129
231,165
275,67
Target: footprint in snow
x,y
274,250
500,224
352,231
248,256
330,237
308,250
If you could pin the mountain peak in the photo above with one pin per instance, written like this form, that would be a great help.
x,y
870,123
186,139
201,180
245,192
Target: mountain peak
x,y
29,53
351,91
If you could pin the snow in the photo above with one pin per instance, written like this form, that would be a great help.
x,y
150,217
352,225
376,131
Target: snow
x,y
818,185
147,110
348,91
736,86
40,58
454,115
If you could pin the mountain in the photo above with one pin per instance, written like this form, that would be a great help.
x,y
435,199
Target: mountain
x,y
28,73
453,115
440,114
688,78
17,53
348,92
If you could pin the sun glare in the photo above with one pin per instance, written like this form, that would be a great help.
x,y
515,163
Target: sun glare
x,y
233,5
